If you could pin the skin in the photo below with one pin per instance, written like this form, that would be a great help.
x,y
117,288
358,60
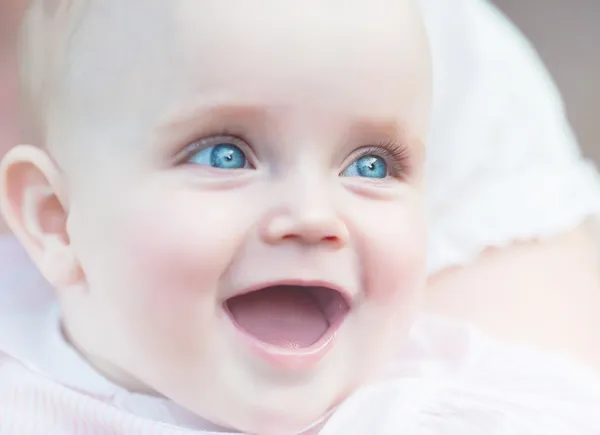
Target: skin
x,y
544,294
143,245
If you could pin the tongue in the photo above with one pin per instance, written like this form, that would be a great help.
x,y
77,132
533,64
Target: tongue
x,y
283,316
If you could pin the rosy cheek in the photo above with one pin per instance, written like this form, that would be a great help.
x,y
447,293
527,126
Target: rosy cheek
x,y
180,245
165,293
397,257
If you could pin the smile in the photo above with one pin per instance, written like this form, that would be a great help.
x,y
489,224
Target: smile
x,y
289,324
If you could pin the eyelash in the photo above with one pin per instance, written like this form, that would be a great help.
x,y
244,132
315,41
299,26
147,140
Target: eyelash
x,y
395,154
200,144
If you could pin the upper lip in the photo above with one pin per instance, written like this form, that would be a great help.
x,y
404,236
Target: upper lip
x,y
343,291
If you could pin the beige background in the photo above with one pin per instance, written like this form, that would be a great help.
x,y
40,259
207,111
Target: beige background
x,y
567,36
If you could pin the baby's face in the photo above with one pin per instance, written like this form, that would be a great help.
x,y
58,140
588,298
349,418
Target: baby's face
x,y
245,199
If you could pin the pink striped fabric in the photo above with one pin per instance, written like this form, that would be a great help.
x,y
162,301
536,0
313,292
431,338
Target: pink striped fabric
x,y
31,404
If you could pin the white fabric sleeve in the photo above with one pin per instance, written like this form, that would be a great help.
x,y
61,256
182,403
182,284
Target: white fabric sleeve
x,y
503,163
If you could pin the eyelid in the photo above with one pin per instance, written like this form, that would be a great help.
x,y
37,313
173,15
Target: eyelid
x,y
396,155
213,140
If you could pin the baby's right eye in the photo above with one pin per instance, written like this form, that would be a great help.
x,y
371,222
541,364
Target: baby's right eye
x,y
221,156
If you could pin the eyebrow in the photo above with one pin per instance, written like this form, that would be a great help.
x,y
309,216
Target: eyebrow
x,y
211,111
389,128
188,121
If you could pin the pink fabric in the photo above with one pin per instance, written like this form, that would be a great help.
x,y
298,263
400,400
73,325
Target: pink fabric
x,y
31,404
496,390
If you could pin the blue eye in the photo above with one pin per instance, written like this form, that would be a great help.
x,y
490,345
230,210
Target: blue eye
x,y
222,156
369,166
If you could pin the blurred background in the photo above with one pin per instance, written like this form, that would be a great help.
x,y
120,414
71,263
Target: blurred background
x,y
566,33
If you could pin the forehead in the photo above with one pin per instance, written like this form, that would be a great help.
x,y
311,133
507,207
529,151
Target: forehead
x,y
151,56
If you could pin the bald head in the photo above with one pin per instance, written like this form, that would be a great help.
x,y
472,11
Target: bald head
x,y
91,58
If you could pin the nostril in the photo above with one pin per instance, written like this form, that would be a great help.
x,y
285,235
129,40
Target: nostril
x,y
324,239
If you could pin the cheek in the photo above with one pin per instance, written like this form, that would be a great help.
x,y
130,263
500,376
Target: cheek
x,y
158,258
155,272
181,243
394,254
393,259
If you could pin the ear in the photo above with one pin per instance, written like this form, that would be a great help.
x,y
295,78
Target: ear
x,y
35,205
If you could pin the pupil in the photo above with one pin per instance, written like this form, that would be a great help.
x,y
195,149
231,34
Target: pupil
x,y
228,156
372,167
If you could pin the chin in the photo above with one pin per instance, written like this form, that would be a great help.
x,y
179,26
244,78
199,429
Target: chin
x,y
251,397
276,412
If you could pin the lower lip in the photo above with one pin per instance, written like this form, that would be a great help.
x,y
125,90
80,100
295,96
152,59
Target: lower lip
x,y
300,359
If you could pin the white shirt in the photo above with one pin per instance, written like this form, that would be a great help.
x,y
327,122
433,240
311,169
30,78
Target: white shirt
x,y
503,163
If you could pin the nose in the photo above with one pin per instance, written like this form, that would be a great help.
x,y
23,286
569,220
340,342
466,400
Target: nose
x,y
307,216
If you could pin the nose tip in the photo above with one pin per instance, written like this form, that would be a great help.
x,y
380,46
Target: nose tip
x,y
306,229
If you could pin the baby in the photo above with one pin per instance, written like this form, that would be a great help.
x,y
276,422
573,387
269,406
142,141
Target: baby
x,y
227,199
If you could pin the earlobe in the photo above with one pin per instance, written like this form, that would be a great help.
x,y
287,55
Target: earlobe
x,y
35,205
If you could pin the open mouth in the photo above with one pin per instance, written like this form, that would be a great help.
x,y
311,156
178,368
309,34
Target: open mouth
x,y
289,316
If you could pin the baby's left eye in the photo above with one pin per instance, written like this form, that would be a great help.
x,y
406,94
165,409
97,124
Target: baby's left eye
x,y
369,166
221,156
